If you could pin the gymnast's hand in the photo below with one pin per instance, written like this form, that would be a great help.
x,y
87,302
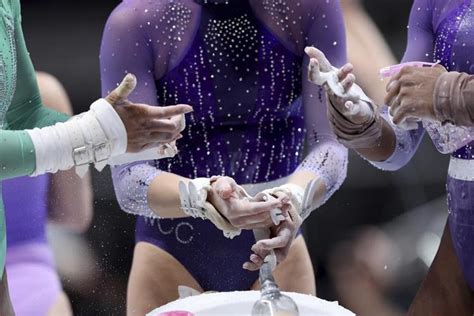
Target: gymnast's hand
x,y
410,93
342,99
147,126
354,118
280,241
242,211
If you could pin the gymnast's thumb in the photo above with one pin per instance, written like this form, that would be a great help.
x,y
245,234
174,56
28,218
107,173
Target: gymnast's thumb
x,y
121,93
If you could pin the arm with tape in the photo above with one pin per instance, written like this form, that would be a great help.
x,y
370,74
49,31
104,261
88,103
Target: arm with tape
x,y
35,143
97,137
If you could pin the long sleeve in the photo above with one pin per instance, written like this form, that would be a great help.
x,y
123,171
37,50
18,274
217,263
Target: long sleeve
x,y
419,48
17,156
127,39
126,48
327,158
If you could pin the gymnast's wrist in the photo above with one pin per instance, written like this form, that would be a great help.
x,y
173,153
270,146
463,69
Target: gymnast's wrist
x,y
442,96
384,148
293,191
364,135
453,97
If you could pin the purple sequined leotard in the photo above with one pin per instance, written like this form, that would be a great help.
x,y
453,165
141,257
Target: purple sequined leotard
x,y
443,31
241,65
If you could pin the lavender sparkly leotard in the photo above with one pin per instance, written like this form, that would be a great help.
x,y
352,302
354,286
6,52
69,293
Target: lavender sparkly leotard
x,y
32,277
240,64
443,31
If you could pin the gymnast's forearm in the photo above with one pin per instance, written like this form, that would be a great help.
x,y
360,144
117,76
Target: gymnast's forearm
x,y
321,174
361,125
143,189
163,195
303,178
385,147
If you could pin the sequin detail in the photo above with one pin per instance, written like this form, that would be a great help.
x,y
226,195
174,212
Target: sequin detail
x,y
257,64
134,199
8,66
453,37
240,65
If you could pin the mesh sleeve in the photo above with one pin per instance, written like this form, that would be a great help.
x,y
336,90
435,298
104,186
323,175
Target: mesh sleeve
x,y
419,48
327,158
126,48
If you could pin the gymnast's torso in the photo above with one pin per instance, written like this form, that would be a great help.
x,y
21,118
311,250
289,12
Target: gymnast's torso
x,y
247,123
443,32
239,64
245,86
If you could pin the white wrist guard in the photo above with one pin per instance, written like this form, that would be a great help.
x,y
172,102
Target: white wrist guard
x,y
193,196
92,137
296,195
161,152
310,200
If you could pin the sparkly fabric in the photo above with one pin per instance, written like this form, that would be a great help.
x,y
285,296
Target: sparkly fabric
x,y
438,30
7,65
442,31
453,49
191,243
461,224
213,260
20,102
253,106
20,105
134,200
240,65
7,88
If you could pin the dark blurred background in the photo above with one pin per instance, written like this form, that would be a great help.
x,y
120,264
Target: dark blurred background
x,y
64,38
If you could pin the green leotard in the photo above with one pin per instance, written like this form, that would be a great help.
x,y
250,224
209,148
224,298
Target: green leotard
x,y
20,105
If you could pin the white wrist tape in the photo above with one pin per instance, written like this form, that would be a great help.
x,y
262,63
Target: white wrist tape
x,y
310,200
161,152
193,196
296,195
92,137
276,213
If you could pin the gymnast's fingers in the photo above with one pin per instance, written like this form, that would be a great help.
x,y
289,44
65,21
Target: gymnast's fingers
x,y
250,266
345,71
261,220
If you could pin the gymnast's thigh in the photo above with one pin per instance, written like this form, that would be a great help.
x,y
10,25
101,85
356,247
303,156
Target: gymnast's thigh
x,y
154,279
